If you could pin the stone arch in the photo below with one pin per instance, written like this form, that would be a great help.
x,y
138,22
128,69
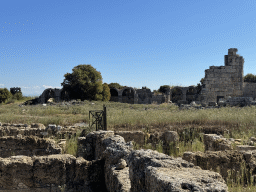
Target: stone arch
x,y
176,94
128,95
114,94
191,94
50,93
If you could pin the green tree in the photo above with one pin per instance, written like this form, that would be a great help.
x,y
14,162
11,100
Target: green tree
x,y
115,85
4,95
250,78
106,92
84,83
17,96
164,88
200,85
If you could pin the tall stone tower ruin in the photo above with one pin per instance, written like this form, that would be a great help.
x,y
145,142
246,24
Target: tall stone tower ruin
x,y
224,81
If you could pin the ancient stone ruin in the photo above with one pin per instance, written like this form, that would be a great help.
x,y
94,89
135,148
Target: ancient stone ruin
x,y
14,90
227,81
221,83
105,162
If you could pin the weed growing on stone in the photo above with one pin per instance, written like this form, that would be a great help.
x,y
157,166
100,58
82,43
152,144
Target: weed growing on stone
x,y
242,180
71,146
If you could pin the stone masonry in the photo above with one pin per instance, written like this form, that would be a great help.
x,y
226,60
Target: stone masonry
x,y
224,81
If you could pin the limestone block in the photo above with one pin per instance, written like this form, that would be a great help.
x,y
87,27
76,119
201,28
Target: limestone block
x,y
27,146
15,170
136,136
153,171
181,179
245,147
218,161
117,180
53,169
93,144
170,137
215,142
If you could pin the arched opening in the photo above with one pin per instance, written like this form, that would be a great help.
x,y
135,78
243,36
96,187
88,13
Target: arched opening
x,y
176,94
114,95
128,95
191,94
49,94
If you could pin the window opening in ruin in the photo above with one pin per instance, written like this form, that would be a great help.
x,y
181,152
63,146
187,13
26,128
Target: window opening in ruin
x,y
113,92
219,97
48,95
114,95
176,94
128,96
191,94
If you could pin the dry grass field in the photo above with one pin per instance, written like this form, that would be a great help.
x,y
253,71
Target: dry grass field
x,y
238,123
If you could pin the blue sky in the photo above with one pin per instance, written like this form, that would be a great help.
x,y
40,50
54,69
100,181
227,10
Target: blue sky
x,y
135,43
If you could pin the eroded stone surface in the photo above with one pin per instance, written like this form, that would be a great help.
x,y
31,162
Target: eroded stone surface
x,y
214,142
29,146
33,172
147,166
183,179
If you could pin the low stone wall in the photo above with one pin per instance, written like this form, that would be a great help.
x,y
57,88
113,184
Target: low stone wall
x,y
7,129
153,171
136,136
214,142
36,173
148,170
219,161
29,146
108,163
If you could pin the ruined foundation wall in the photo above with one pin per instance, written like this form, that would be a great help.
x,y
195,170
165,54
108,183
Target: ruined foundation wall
x,y
130,170
113,166
158,99
29,146
22,173
225,80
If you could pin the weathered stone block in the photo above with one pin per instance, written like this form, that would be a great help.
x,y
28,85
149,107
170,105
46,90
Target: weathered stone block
x,y
153,171
136,136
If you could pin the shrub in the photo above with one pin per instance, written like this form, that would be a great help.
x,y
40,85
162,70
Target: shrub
x,y
4,95
106,92
17,96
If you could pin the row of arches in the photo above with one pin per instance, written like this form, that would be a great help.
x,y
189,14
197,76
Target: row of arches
x,y
176,94
131,95
126,95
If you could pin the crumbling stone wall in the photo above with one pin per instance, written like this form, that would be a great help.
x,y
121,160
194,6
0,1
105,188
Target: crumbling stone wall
x,y
29,146
137,96
219,161
14,90
35,129
224,81
110,164
148,170
50,93
36,173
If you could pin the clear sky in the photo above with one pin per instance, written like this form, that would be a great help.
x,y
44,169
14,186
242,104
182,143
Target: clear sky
x,y
132,42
